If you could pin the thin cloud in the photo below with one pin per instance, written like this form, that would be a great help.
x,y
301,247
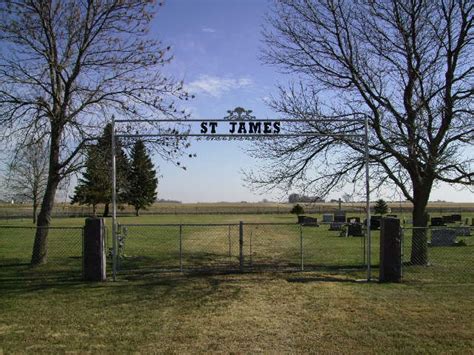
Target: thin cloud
x,y
215,86
208,30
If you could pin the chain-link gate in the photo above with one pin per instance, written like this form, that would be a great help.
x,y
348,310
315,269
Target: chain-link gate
x,y
236,247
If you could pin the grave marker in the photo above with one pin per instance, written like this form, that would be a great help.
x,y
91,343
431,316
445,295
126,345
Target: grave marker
x,y
437,221
354,230
456,217
328,218
443,237
336,226
340,216
310,221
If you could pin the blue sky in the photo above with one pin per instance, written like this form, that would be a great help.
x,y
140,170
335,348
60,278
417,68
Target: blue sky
x,y
216,46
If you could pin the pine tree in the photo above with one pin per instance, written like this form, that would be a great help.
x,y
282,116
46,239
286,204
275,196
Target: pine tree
x,y
297,209
95,186
142,178
381,207
89,190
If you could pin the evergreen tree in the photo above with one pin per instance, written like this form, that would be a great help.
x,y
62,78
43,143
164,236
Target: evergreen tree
x,y
297,209
89,190
381,207
95,186
142,181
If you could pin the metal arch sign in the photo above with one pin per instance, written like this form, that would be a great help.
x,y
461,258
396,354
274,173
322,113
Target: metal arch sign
x,y
239,124
241,121
242,127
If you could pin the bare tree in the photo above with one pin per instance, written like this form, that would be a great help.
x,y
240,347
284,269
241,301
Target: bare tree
x,y
28,173
346,197
66,66
405,65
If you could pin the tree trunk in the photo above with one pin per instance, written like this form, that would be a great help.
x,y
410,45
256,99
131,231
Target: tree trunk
x,y
106,210
40,247
35,209
419,246
137,212
94,210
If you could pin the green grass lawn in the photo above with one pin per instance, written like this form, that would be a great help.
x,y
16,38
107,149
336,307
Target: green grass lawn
x,y
323,309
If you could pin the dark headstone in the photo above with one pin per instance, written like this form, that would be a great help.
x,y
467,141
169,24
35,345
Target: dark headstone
x,y
463,231
390,251
354,230
94,250
301,219
336,226
353,219
310,221
456,217
443,237
437,221
340,216
448,219
374,222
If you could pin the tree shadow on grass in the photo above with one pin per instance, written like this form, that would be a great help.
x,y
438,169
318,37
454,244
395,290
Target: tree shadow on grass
x,y
144,272
20,277
320,279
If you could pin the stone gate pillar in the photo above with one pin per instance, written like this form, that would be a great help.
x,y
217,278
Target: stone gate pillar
x,y
94,259
390,251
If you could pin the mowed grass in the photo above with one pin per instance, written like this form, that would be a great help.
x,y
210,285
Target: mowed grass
x,y
324,309
297,312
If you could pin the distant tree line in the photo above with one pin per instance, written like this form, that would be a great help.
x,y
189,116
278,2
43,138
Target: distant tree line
x,y
163,200
294,198
136,178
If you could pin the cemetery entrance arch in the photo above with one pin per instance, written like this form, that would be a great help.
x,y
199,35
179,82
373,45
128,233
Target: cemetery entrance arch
x,y
239,125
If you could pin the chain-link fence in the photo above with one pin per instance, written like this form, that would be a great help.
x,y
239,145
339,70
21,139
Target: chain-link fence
x,y
438,254
64,256
441,254
237,247
178,247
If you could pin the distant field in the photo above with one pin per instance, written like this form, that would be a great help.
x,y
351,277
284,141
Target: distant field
x,y
66,210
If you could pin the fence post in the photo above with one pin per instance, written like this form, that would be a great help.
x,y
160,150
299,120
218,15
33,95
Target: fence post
x,y
301,247
364,251
241,246
181,248
121,236
250,248
230,245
